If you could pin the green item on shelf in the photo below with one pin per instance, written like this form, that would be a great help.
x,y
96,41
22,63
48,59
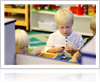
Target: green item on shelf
x,y
90,15
34,10
54,10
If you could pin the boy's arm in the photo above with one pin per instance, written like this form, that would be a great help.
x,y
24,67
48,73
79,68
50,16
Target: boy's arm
x,y
74,50
52,50
36,51
70,49
49,43
77,56
55,49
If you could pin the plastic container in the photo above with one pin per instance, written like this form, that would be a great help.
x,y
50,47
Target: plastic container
x,y
47,25
79,9
91,10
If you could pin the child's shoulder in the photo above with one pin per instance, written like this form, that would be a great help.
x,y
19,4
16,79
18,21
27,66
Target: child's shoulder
x,y
75,33
55,33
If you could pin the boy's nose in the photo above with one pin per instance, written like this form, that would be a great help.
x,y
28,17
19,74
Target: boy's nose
x,y
24,49
65,29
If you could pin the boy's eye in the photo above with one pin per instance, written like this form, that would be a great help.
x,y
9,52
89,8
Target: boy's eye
x,y
27,46
61,27
22,48
68,27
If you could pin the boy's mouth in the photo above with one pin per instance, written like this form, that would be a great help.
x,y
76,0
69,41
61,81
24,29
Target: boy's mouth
x,y
65,33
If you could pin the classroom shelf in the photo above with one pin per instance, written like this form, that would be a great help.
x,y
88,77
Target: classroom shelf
x,y
53,13
81,23
21,21
46,12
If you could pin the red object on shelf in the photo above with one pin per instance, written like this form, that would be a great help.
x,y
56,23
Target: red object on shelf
x,y
42,6
85,9
52,6
57,7
79,10
36,7
6,13
73,9
94,9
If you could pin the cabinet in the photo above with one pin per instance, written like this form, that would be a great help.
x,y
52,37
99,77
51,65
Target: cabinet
x,y
9,44
22,15
81,23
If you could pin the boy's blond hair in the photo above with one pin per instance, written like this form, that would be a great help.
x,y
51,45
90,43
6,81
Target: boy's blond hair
x,y
64,16
21,38
93,23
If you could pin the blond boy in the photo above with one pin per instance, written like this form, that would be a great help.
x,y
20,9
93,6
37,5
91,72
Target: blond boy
x,y
77,56
22,43
65,40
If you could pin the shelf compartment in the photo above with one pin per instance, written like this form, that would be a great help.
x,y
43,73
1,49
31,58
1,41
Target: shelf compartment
x,y
38,29
53,13
46,12
14,10
20,19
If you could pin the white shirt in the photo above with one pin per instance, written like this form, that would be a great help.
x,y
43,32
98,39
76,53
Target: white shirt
x,y
57,39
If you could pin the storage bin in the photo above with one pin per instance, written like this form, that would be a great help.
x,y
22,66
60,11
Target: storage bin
x,y
48,55
47,25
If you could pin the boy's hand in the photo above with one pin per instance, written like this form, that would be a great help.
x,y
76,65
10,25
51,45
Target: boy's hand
x,y
73,60
30,53
59,49
69,49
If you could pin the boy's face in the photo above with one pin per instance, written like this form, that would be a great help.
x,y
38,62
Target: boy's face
x,y
65,29
21,49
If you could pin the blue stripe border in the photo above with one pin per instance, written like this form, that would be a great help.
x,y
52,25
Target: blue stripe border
x,y
10,22
88,55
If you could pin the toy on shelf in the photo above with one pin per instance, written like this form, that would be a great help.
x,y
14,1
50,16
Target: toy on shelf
x,y
79,9
35,8
73,9
84,9
91,10
47,7
95,9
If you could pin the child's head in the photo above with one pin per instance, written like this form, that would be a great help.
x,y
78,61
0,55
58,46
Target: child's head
x,y
21,41
64,19
93,24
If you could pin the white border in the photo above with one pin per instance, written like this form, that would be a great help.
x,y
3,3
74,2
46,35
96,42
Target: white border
x,y
49,66
49,71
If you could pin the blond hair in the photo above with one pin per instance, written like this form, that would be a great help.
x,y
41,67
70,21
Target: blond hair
x,y
21,38
93,23
64,16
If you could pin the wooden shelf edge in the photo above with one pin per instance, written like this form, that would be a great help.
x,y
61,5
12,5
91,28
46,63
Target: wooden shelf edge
x,y
53,13
38,29
14,10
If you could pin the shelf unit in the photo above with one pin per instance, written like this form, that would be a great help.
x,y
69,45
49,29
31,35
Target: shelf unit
x,y
81,23
21,20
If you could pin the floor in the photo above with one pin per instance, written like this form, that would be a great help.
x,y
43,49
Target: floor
x,y
38,39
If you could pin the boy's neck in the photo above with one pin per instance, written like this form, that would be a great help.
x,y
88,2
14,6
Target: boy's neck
x,y
70,33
